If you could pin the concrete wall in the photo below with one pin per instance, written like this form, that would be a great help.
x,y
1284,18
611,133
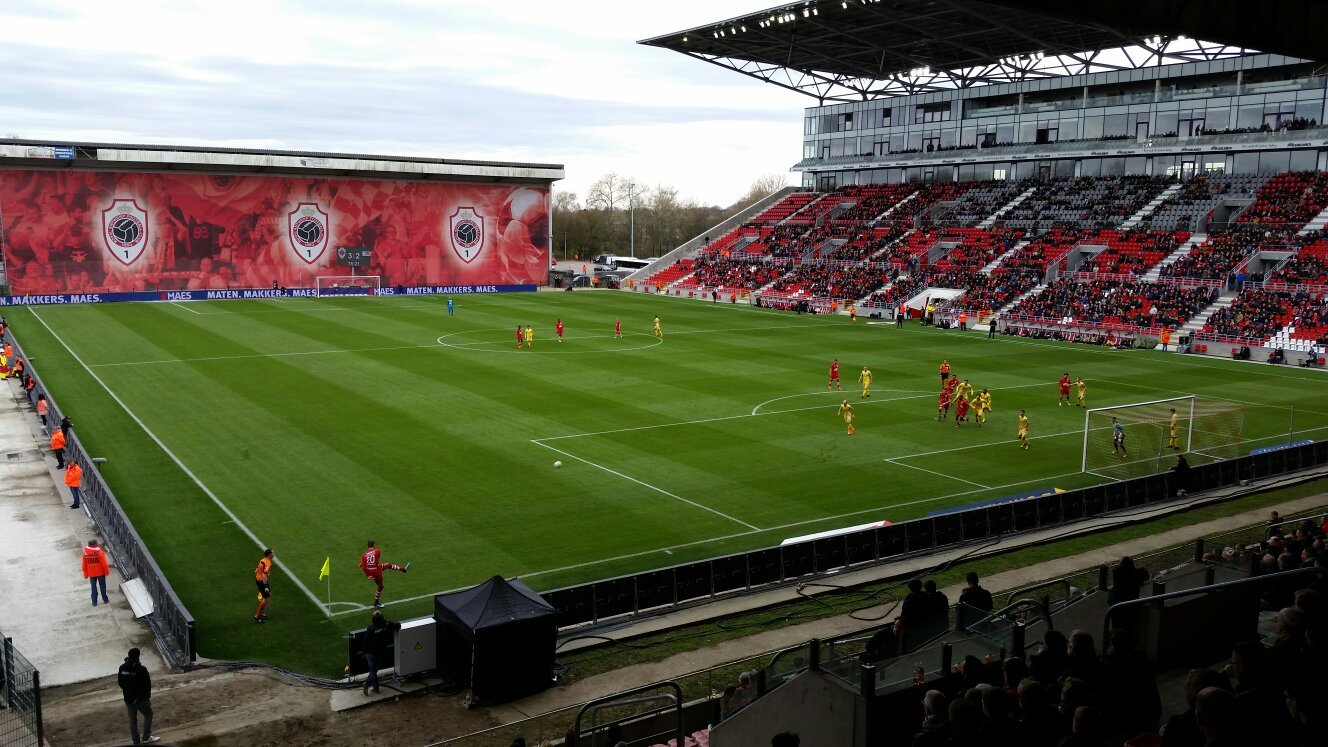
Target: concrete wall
x,y
822,710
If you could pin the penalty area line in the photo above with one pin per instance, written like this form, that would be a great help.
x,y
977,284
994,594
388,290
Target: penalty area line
x,y
661,491
939,474
225,509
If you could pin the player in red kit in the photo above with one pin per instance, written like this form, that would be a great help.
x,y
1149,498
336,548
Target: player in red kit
x,y
961,411
1065,390
519,337
617,328
943,404
559,329
373,567
834,375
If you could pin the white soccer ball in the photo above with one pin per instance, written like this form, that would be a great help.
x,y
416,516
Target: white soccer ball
x,y
557,465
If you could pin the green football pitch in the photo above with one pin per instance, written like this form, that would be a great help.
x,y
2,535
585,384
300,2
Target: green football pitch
x,y
310,426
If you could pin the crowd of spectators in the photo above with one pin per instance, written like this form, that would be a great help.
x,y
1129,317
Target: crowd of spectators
x,y
832,280
1257,313
1297,123
1291,198
1132,252
1222,252
735,274
985,198
1309,266
862,244
1116,302
1100,202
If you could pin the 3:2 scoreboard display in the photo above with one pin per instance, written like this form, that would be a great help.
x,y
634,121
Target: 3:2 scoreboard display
x,y
354,256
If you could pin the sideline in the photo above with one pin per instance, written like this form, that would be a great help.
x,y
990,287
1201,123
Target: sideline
x,y
225,509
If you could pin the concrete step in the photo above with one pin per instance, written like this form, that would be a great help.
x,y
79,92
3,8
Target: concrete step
x,y
991,219
993,264
1197,322
892,208
1316,223
1195,240
1148,209
1035,290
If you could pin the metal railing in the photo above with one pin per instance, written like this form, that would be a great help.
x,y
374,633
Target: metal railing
x,y
1168,596
170,622
20,699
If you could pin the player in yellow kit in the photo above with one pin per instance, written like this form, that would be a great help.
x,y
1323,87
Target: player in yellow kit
x,y
1022,435
658,332
866,378
982,406
1173,440
846,412
530,336
1080,388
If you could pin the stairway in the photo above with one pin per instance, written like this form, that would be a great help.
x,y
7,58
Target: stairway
x,y
1195,240
991,219
1148,209
1033,292
1316,223
992,264
804,208
1197,321
892,208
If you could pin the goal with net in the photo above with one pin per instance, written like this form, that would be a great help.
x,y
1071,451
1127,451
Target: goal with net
x,y
1207,429
347,285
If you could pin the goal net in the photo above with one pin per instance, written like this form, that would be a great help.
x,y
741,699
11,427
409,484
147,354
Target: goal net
x,y
1207,429
347,285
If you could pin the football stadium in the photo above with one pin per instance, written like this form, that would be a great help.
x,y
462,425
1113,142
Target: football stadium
x,y
971,438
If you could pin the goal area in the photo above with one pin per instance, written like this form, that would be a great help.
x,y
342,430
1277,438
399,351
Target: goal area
x,y
1206,430
347,285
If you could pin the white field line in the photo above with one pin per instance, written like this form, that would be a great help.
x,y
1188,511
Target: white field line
x,y
1069,346
938,474
311,308
737,535
1210,396
755,414
833,391
661,491
186,308
225,509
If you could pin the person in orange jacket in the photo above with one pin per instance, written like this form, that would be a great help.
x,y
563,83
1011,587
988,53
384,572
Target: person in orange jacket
x,y
73,480
58,448
42,409
96,569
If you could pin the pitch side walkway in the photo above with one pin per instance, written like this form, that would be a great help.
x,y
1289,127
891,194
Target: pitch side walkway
x,y
47,607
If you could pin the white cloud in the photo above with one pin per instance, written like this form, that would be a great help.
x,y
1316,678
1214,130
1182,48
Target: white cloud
x,y
520,80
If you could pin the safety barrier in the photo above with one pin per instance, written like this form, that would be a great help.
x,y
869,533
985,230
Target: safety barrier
x,y
20,699
666,588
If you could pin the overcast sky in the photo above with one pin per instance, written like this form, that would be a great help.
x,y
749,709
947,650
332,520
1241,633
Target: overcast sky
x,y
560,81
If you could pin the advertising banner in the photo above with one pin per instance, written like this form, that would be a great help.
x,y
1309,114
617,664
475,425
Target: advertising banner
x,y
94,232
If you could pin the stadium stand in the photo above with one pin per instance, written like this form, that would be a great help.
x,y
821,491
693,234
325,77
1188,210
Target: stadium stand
x,y
727,274
1257,313
842,281
1308,266
1097,203
1288,199
1112,302
1219,255
984,198
1192,207
1132,252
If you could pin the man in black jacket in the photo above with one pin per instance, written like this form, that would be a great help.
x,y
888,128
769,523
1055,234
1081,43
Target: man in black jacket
x,y
137,688
377,639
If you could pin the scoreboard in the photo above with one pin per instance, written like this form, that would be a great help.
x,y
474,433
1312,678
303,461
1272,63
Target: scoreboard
x,y
354,256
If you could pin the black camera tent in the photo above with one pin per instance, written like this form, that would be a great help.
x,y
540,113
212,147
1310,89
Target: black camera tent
x,y
499,637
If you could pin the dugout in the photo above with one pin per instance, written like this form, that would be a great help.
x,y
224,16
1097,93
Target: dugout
x,y
498,637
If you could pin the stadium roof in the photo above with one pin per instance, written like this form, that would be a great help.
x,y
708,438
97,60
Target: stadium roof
x,y
856,50
46,154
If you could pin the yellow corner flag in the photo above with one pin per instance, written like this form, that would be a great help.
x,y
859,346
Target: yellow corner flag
x,y
327,569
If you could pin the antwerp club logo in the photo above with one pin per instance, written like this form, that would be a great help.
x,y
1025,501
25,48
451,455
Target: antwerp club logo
x,y
124,228
465,230
307,227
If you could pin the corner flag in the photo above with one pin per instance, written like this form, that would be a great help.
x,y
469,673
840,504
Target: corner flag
x,y
327,569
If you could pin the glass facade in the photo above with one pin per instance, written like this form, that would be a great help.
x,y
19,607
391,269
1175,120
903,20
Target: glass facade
x,y
1169,105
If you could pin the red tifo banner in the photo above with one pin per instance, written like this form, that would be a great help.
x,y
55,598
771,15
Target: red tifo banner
x,y
106,232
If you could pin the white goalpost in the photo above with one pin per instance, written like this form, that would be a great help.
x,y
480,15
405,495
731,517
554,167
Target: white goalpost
x,y
347,285
1209,429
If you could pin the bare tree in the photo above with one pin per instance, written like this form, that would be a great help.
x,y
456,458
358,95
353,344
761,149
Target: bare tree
x,y
763,187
